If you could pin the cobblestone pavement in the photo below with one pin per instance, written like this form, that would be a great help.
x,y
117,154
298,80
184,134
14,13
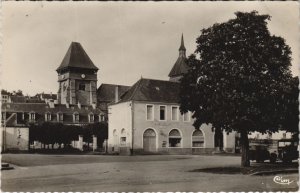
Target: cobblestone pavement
x,y
34,172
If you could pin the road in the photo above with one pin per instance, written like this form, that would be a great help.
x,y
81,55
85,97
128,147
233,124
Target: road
x,y
34,172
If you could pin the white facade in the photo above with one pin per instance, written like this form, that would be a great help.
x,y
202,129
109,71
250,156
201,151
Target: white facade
x,y
171,134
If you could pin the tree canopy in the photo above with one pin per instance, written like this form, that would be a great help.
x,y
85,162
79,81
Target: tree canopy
x,y
239,77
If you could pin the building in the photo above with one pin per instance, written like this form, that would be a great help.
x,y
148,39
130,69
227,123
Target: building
x,y
109,93
147,119
76,102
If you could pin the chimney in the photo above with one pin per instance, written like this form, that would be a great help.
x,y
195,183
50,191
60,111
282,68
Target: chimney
x,y
79,105
94,105
67,105
116,94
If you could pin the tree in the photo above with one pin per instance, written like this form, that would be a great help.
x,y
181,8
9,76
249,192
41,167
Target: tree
x,y
237,82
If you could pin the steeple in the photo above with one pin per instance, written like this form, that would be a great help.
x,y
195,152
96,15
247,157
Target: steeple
x,y
180,67
182,48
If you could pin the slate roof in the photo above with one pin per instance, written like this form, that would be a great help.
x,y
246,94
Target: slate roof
x,y
47,96
42,108
24,99
76,57
180,67
106,92
153,91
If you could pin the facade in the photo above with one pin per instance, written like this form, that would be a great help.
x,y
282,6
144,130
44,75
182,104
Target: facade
x,y
147,119
75,103
107,94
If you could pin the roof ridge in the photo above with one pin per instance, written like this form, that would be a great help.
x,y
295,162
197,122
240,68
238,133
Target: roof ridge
x,y
136,88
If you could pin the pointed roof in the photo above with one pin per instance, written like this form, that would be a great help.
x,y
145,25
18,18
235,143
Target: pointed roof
x,y
76,57
153,91
182,44
180,67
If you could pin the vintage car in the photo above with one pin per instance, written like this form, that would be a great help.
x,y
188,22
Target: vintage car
x,y
259,153
287,150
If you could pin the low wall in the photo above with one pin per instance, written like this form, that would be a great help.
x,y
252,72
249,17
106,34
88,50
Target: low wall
x,y
16,138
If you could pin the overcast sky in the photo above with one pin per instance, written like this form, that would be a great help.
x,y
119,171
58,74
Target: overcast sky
x,y
125,40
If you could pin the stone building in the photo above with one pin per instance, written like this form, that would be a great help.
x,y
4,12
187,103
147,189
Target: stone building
x,y
147,119
76,102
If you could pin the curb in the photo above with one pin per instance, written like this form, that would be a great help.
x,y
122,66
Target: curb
x,y
274,172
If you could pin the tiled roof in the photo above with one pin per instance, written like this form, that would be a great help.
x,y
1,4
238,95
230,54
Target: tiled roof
x,y
153,91
106,92
76,57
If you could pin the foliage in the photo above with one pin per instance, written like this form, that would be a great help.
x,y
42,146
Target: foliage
x,y
241,78
51,133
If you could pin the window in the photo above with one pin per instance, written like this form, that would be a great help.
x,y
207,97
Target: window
x,y
174,138
123,141
162,113
197,139
150,112
175,113
186,116
3,116
48,116
81,86
101,118
284,135
91,117
60,117
76,117
31,116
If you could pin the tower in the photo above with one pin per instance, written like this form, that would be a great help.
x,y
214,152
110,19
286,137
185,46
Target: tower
x,y
77,77
180,67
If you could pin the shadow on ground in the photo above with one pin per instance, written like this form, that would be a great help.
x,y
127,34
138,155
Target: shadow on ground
x,y
254,169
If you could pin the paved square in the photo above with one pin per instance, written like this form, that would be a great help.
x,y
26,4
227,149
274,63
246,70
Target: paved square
x,y
34,172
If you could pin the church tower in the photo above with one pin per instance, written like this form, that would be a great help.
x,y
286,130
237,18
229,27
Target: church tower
x,y
77,77
180,67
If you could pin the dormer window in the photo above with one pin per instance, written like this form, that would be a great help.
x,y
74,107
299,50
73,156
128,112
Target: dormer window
x,y
60,117
32,116
48,116
101,118
75,117
91,117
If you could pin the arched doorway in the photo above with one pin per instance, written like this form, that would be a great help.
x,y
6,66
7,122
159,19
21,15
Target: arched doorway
x,y
149,140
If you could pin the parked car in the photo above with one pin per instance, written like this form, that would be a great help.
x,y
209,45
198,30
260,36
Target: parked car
x,y
287,150
259,153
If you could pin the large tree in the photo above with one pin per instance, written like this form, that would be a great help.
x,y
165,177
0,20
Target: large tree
x,y
238,78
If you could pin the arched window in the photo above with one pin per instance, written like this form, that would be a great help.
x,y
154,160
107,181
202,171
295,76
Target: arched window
x,y
174,138
75,117
47,116
198,138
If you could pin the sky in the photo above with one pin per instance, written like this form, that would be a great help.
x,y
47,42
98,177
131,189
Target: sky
x,y
125,40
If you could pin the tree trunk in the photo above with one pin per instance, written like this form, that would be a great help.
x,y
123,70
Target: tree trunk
x,y
245,162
